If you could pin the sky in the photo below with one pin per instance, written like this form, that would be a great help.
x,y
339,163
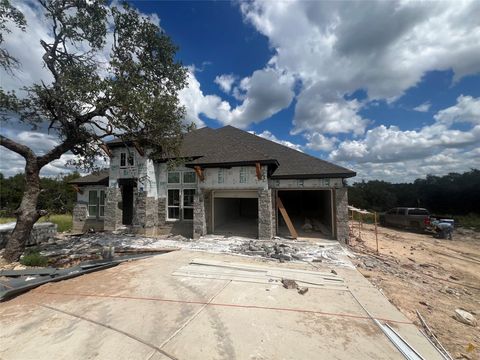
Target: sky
x,y
389,89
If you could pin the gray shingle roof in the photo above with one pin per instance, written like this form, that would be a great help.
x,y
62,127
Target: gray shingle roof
x,y
231,146
97,178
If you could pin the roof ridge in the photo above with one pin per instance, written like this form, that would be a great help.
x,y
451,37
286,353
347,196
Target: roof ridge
x,y
268,156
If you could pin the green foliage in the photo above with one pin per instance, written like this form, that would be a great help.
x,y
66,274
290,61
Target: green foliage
x,y
57,196
454,193
114,73
9,13
33,258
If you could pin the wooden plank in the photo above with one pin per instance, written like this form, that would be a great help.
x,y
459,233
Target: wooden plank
x,y
284,213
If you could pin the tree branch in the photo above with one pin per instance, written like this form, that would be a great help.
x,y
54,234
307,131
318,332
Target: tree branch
x,y
20,149
55,153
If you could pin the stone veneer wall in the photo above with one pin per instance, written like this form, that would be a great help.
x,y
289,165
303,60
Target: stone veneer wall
x,y
265,224
113,209
41,233
199,219
81,222
341,215
145,214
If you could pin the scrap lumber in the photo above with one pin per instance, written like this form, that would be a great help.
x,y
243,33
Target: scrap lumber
x,y
285,216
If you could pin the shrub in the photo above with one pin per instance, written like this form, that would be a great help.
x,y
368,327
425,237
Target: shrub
x,y
33,258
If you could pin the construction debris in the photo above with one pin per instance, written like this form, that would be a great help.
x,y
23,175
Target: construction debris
x,y
289,284
302,290
14,282
465,317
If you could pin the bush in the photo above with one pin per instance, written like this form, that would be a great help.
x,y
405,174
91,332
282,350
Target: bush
x,y
33,258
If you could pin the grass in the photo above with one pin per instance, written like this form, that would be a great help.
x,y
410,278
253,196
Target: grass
x,y
63,221
33,258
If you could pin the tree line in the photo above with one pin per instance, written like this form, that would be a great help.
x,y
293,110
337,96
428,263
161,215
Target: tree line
x,y
454,194
56,195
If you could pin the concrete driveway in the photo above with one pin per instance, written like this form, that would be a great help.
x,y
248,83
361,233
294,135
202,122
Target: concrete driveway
x,y
139,310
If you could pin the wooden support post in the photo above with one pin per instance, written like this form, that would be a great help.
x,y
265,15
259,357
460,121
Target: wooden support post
x,y
199,172
376,235
360,226
284,213
77,189
258,169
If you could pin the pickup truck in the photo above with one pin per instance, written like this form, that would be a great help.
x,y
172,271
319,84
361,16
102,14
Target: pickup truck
x,y
405,217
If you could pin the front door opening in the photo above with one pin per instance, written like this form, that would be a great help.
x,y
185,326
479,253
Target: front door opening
x,y
127,202
310,212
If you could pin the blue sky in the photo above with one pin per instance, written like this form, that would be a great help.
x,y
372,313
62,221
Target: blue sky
x,y
388,89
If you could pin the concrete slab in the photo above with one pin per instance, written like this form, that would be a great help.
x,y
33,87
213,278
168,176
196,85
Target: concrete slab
x,y
138,310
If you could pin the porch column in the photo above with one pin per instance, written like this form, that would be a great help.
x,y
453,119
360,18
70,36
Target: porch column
x,y
113,209
199,219
341,214
265,214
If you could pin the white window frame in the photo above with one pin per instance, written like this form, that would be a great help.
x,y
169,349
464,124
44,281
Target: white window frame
x,y
243,175
221,176
129,159
98,205
181,186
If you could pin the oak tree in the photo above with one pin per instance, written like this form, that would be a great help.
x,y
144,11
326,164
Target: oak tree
x,y
114,74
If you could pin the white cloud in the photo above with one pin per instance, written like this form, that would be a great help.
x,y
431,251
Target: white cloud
x,y
225,82
269,136
466,110
317,141
265,93
424,107
393,154
384,48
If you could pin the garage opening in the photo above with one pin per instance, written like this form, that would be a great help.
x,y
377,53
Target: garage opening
x,y
310,211
235,216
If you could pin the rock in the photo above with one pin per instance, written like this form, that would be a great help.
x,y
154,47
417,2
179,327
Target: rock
x,y
289,284
369,264
302,290
465,317
333,272
454,277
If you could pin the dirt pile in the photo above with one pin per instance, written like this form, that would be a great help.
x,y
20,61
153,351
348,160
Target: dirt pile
x,y
435,277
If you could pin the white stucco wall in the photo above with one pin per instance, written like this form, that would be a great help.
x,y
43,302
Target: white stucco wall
x,y
231,178
325,183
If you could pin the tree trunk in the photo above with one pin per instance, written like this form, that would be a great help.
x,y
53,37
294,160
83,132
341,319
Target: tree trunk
x,y
27,213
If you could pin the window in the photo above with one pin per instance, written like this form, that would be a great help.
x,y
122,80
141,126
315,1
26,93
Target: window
x,y
173,204
221,176
181,190
418,212
96,203
189,177
92,203
173,177
243,175
126,159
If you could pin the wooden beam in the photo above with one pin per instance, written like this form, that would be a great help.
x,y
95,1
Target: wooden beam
x,y
199,172
258,169
77,188
106,149
285,216
138,148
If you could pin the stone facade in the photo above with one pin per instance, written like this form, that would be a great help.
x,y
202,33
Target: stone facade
x,y
265,224
199,219
341,214
41,233
113,209
82,223
145,218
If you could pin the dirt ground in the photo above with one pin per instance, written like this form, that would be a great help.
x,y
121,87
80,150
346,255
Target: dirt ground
x,y
418,272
